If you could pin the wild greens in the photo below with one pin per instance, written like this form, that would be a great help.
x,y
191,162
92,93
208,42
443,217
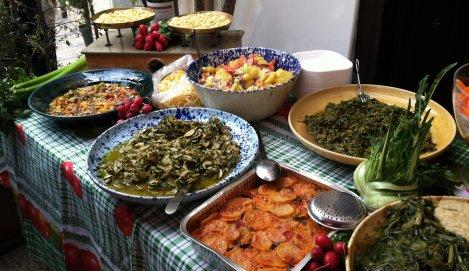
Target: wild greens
x,y
390,172
351,127
413,239
175,153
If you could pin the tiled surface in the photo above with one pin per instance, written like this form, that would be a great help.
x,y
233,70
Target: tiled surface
x,y
19,260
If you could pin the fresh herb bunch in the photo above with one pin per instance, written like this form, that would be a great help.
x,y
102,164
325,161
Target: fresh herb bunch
x,y
391,170
11,106
413,239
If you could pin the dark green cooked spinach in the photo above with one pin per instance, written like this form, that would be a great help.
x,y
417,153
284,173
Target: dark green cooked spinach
x,y
350,127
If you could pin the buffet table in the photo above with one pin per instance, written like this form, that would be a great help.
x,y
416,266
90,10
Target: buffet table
x,y
109,234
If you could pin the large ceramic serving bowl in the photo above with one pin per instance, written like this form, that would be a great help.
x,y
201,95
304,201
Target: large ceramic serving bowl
x,y
443,128
40,99
363,236
243,134
250,105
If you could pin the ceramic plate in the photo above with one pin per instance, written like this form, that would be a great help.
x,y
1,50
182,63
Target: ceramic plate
x,y
40,99
443,129
365,232
243,134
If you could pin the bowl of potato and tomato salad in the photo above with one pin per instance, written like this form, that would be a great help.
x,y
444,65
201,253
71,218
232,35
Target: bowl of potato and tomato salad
x,y
251,82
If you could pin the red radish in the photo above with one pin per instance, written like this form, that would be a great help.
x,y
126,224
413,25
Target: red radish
x,y
127,103
134,107
124,219
143,29
155,27
139,38
148,38
139,45
119,121
331,260
138,101
129,115
340,248
122,110
317,254
313,266
146,109
324,242
158,46
148,46
155,35
72,256
163,40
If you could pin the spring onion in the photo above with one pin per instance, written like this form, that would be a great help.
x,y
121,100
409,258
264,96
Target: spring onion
x,y
25,88
389,173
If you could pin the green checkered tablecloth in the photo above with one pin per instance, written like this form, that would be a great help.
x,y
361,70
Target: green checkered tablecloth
x,y
77,221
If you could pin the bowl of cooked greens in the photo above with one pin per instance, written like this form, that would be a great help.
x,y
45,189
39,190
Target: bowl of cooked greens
x,y
251,82
428,233
148,158
334,124
89,97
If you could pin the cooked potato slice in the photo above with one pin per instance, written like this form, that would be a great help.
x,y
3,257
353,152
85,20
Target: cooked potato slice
x,y
260,241
289,253
283,210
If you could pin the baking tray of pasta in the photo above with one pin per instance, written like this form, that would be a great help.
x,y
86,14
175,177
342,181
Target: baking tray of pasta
x,y
124,17
232,232
202,22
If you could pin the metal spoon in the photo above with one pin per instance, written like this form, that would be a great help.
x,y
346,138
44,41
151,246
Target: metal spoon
x,y
266,169
174,203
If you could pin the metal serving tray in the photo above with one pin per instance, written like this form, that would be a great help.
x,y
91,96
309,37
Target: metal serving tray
x,y
248,181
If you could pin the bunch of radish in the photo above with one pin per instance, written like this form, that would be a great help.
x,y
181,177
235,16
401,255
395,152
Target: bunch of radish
x,y
327,255
131,108
150,38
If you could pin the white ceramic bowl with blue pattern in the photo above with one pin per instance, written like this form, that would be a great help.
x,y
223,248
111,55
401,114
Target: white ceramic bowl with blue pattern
x,y
250,105
243,134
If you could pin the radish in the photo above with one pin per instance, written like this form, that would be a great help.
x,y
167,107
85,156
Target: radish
x,y
317,254
313,266
340,248
323,241
146,109
138,101
331,260
143,29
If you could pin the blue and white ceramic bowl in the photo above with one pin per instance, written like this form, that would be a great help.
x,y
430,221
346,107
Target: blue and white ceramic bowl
x,y
250,105
243,134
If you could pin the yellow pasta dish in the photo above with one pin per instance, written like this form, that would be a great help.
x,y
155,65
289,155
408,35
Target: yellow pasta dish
x,y
177,91
244,74
203,20
124,16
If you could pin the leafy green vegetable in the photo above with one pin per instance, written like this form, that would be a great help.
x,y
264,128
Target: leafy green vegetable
x,y
413,239
390,172
351,127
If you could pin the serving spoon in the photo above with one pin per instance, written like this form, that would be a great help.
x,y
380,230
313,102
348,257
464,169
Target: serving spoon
x,y
174,203
266,169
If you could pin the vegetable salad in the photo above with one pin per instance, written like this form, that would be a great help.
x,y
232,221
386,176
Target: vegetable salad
x,y
91,100
244,74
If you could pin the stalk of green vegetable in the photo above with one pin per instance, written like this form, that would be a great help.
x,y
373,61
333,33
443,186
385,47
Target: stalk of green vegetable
x,y
25,88
389,174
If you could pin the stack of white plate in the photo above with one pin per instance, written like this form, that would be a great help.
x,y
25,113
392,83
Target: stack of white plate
x,y
321,69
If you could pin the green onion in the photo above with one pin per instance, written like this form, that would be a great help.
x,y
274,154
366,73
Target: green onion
x,y
28,86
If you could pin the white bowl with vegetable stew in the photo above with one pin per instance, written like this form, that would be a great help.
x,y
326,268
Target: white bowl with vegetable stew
x,y
233,131
263,97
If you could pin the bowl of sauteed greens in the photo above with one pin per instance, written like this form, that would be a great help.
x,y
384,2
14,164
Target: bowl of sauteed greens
x,y
334,124
89,97
148,158
428,233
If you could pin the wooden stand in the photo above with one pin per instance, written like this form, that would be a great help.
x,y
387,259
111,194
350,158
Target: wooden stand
x,y
122,54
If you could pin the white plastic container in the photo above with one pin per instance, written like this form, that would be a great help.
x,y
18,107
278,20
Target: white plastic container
x,y
321,69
